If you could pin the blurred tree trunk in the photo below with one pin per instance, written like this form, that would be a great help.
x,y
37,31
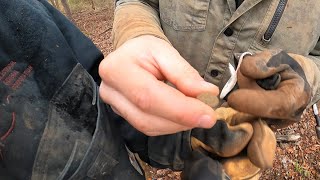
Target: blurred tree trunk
x,y
67,9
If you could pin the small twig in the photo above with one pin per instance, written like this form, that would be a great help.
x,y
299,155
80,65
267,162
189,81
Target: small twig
x,y
105,31
301,154
84,27
288,138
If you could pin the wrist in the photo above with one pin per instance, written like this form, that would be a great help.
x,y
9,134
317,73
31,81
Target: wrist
x,y
133,20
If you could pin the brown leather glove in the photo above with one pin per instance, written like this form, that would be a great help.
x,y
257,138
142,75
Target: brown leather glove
x,y
223,139
226,139
262,144
288,100
199,166
259,154
243,143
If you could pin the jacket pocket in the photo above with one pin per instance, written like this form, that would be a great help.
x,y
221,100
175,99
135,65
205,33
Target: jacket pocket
x,y
274,21
185,15
286,26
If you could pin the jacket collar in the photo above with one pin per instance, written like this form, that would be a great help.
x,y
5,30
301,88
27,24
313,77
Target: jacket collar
x,y
245,7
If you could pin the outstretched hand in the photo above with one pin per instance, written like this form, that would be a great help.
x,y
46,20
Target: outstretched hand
x,y
133,83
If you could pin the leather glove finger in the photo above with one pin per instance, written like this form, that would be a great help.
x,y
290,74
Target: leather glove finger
x,y
222,140
233,117
199,166
240,167
262,146
287,101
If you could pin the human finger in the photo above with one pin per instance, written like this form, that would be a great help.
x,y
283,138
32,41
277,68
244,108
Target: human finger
x,y
146,123
155,97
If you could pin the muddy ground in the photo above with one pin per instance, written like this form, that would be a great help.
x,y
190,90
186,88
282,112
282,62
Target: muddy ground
x,y
294,160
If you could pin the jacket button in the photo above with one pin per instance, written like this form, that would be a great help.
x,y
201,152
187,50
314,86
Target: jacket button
x,y
214,73
228,32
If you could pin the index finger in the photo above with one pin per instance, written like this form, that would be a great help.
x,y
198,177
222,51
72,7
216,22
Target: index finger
x,y
157,98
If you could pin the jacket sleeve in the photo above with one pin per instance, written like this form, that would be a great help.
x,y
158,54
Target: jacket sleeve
x,y
314,56
134,18
87,54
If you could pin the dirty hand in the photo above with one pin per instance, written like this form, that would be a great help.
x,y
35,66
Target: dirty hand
x,y
133,83
288,100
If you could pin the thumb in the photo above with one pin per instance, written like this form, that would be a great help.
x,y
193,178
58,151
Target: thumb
x,y
181,74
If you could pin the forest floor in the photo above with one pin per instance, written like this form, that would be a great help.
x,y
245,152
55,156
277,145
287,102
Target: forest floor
x,y
294,160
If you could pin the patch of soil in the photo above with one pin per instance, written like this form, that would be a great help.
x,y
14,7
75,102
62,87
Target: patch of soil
x,y
300,159
294,160
97,25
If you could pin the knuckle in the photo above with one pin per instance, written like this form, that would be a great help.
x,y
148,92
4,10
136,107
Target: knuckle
x,y
107,76
184,83
102,93
105,93
143,127
189,70
150,133
103,65
185,119
104,69
124,114
107,67
142,99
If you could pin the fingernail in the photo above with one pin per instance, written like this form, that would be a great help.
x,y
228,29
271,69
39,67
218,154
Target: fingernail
x,y
205,121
